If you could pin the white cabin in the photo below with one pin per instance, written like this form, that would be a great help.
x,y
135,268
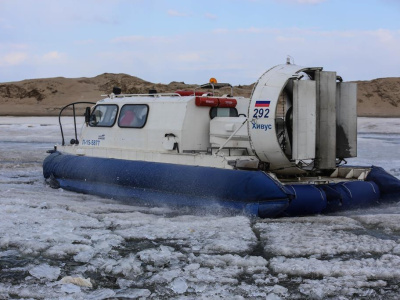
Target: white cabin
x,y
167,128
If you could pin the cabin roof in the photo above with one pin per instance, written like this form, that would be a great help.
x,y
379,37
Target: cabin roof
x,y
146,98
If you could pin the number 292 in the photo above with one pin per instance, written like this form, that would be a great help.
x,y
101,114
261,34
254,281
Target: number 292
x,y
261,113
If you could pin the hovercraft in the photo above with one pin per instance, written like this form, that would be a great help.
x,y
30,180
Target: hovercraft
x,y
279,153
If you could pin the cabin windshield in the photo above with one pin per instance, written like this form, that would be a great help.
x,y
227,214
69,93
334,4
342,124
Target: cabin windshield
x,y
103,115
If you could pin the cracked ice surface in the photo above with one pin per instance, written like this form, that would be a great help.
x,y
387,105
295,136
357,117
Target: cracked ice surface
x,y
48,235
320,236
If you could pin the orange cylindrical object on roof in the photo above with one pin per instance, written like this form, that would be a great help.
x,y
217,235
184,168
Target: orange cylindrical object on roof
x,y
207,101
227,102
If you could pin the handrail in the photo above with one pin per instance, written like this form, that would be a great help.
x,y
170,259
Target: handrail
x,y
73,109
229,138
140,95
215,86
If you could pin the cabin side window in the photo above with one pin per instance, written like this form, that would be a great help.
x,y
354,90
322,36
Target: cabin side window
x,y
133,116
103,115
223,112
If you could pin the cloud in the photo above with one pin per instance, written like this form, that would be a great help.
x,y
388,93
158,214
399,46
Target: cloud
x,y
354,54
383,35
301,34
290,39
53,56
77,17
13,59
259,30
175,13
128,39
13,46
135,39
251,30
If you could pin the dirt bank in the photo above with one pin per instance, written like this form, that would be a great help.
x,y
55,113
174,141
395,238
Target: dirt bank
x,y
45,97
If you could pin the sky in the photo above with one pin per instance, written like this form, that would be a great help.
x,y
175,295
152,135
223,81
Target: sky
x,y
235,41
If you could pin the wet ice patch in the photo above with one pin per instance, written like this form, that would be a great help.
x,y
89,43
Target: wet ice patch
x,y
70,288
179,285
232,260
134,293
385,267
101,294
197,234
319,236
160,256
129,267
348,286
388,222
57,232
45,272
33,129
378,125
198,272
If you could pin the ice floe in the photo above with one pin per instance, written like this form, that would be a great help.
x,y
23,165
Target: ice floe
x,y
52,239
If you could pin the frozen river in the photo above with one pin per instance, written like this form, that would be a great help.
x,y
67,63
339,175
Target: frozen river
x,y
52,241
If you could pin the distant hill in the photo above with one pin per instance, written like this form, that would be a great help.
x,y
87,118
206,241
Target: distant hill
x,y
45,97
379,97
